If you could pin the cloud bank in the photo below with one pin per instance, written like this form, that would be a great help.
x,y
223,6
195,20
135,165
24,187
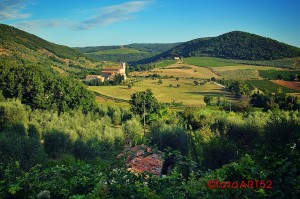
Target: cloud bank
x,y
11,9
104,16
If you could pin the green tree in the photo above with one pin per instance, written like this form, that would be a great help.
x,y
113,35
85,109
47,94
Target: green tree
x,y
174,137
15,146
144,102
134,131
2,98
207,100
218,152
11,112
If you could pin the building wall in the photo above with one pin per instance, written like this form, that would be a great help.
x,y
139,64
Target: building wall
x,y
107,72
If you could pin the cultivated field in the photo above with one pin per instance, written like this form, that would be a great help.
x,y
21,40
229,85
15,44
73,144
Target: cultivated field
x,y
240,74
244,67
288,84
187,92
179,70
270,86
209,61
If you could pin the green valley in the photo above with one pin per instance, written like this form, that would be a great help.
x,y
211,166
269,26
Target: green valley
x,y
166,122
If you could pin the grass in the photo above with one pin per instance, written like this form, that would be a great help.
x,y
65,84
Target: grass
x,y
165,63
209,61
187,93
110,102
173,70
117,51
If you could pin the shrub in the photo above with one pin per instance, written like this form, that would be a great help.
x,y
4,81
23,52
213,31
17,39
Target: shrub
x,y
56,143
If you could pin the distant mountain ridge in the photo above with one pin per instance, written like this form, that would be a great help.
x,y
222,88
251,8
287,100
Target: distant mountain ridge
x,y
135,52
233,45
144,47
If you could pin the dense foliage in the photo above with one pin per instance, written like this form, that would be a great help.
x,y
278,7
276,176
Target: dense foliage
x,y
76,158
42,89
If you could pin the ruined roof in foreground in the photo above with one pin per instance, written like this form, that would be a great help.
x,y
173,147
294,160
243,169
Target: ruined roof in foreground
x,y
142,158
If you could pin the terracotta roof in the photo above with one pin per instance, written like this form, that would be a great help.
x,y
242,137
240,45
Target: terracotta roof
x,y
142,158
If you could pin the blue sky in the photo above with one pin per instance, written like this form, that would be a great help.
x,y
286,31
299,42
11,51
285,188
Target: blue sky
x,y
117,22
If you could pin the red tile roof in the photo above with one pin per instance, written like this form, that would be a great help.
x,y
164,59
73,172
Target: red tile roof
x,y
142,158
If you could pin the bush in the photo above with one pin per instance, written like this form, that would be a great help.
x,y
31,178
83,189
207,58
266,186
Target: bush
x,y
15,146
56,143
218,152
11,112
170,136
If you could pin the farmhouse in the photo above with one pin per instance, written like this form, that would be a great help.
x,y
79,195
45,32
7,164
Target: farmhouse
x,y
109,72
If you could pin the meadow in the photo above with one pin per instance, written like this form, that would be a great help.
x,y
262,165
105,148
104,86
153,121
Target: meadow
x,y
187,92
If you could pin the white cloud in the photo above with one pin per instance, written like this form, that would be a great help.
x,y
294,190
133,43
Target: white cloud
x,y
104,16
11,9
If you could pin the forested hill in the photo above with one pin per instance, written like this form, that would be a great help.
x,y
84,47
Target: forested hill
x,y
126,53
22,48
12,38
233,45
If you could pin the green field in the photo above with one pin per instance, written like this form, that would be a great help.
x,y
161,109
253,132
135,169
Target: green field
x,y
117,51
240,74
187,92
266,85
164,63
209,61
273,74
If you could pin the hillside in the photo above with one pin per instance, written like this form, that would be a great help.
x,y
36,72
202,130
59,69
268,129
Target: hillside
x,y
126,53
20,47
233,45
